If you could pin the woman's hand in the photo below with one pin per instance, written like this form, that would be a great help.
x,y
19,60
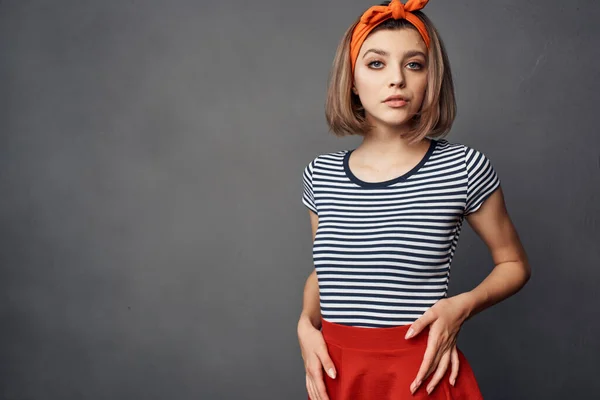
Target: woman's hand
x,y
316,359
446,318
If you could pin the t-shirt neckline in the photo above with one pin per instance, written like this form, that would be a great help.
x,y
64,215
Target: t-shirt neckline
x,y
388,182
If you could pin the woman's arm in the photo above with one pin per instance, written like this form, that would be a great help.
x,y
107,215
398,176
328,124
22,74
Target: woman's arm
x,y
493,225
311,311
310,317
312,344
512,271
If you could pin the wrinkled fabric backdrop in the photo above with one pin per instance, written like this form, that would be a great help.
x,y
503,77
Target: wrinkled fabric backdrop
x,y
153,240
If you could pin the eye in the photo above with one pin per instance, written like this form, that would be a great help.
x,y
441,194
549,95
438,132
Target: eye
x,y
375,62
417,64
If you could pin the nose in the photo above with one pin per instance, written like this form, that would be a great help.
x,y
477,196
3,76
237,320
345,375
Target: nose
x,y
397,77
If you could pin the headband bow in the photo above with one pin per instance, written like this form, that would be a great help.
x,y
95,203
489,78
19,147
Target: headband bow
x,y
377,14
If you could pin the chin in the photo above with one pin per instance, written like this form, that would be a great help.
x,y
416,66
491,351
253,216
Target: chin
x,y
398,121
393,117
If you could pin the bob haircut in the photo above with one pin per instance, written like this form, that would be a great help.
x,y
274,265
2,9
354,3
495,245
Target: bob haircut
x,y
344,112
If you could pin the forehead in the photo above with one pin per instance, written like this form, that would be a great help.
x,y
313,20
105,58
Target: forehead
x,y
394,41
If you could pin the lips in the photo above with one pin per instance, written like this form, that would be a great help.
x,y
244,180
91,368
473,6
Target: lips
x,y
396,101
395,97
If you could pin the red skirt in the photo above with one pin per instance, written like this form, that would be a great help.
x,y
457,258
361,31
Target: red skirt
x,y
379,364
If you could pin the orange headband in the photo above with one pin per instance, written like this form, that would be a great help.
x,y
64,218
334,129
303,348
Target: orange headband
x,y
377,14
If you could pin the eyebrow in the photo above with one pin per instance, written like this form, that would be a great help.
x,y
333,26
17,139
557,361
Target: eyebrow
x,y
410,53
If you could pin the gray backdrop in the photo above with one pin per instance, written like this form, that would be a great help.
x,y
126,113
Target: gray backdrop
x,y
153,240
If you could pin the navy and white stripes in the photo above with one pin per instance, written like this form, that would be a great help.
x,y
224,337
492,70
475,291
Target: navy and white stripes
x,y
308,196
482,179
383,250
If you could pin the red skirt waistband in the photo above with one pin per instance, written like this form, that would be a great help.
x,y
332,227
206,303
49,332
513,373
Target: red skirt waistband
x,y
358,337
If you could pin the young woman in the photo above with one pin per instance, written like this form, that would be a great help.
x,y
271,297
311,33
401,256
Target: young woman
x,y
386,217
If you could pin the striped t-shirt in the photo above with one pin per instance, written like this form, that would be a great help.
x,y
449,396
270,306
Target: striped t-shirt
x,y
382,250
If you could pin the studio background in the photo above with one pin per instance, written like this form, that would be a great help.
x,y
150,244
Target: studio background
x,y
153,240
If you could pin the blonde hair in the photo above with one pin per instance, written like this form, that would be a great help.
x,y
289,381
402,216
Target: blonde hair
x,y
345,114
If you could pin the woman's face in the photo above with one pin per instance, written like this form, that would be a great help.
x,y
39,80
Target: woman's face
x,y
391,62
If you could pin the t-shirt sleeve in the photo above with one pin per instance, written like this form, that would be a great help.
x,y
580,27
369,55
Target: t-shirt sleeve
x,y
308,195
482,179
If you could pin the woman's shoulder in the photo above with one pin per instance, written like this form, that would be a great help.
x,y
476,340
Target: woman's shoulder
x,y
445,144
451,146
476,161
328,157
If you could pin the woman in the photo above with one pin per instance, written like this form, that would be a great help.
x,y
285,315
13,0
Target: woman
x,y
386,218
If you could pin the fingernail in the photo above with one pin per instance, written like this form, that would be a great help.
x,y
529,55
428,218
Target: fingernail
x,y
331,373
453,381
409,333
415,386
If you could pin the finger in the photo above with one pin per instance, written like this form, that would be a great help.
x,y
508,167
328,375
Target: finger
x,y
439,372
427,318
321,389
315,374
430,353
316,389
442,347
326,361
434,365
455,364
310,388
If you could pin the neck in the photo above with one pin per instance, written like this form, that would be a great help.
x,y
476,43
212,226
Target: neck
x,y
386,140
